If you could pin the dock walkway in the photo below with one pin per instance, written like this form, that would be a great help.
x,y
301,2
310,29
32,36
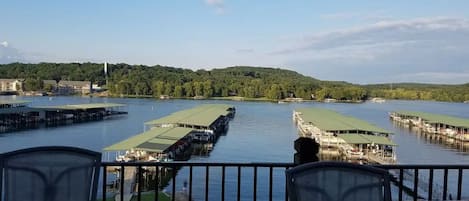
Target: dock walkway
x,y
129,181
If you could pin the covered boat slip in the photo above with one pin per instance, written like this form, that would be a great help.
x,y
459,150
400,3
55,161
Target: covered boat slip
x,y
83,107
331,121
168,137
453,127
204,117
16,115
81,112
355,138
370,147
152,144
366,139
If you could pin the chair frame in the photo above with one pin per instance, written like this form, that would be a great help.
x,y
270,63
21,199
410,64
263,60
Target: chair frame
x,y
338,165
92,154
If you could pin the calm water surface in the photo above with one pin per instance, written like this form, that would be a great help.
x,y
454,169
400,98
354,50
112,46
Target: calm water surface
x,y
260,132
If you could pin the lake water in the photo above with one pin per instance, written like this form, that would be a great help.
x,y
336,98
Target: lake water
x,y
260,131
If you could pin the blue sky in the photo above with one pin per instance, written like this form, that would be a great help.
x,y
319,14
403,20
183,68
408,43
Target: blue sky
x,y
356,41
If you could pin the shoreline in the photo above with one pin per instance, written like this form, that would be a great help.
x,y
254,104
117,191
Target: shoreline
x,y
236,98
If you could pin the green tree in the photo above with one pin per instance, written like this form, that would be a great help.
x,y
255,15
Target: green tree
x,y
274,92
198,89
124,87
188,88
32,84
158,88
141,88
207,88
178,91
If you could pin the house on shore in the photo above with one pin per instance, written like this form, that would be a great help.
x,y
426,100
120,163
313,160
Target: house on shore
x,y
11,85
74,87
50,85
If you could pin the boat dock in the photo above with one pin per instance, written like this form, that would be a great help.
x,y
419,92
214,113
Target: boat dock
x,y
208,120
80,112
451,127
17,115
171,138
156,144
168,138
355,139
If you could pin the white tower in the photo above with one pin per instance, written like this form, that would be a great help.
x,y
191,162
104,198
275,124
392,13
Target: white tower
x,y
105,73
105,68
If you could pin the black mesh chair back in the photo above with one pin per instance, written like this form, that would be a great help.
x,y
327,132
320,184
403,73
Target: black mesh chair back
x,y
50,174
335,181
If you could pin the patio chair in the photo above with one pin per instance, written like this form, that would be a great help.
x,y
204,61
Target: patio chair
x,y
336,181
50,174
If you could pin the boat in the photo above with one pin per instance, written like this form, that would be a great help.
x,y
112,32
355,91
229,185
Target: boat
x,y
378,100
330,100
202,137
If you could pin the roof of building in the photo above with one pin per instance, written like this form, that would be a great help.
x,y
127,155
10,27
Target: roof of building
x,y
202,115
52,82
74,83
155,140
366,139
81,106
329,120
437,118
11,80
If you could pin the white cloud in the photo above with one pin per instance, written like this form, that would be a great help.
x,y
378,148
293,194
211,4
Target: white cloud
x,y
383,32
380,51
218,5
10,54
4,44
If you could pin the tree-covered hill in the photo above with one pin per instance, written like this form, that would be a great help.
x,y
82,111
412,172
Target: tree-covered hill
x,y
245,81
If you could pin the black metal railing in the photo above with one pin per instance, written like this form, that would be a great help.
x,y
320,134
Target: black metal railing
x,y
261,181
436,181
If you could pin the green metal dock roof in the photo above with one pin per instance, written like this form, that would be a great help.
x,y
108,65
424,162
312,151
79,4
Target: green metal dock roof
x,y
202,115
437,118
329,120
81,106
366,139
155,140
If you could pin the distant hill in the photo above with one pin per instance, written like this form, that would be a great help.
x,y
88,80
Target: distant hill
x,y
245,81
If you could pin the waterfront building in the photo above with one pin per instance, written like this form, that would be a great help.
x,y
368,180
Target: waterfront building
x,y
11,85
74,87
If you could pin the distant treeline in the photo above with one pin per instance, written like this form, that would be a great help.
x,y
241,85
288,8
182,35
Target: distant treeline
x,y
415,91
250,82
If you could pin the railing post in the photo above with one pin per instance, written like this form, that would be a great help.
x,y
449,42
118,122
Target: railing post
x,y
306,150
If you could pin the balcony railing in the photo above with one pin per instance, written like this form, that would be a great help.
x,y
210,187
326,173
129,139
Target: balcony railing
x,y
260,181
